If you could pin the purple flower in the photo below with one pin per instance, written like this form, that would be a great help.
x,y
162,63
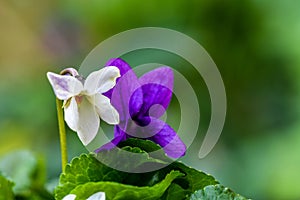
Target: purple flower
x,y
140,103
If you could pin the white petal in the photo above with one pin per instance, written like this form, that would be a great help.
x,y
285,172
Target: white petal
x,y
88,123
69,197
64,86
71,114
97,196
102,80
105,110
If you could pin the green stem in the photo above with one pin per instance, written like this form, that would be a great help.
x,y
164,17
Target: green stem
x,y
62,134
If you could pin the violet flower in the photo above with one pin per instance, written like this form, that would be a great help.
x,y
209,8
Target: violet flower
x,y
140,103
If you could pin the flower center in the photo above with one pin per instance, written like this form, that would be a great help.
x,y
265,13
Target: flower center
x,y
79,99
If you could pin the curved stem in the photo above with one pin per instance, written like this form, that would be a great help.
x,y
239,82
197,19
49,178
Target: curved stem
x,y
62,134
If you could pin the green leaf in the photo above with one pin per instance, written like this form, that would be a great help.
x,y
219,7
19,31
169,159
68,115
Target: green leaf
x,y
174,192
87,168
19,166
216,192
193,179
142,152
28,173
86,175
6,192
24,169
145,145
117,191
131,159
82,170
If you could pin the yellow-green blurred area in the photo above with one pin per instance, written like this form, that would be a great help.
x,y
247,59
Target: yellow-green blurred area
x,y
255,44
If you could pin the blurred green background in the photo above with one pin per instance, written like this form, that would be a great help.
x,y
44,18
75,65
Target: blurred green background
x,y
255,44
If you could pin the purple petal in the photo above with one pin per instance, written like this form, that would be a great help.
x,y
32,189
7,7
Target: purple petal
x,y
123,67
162,76
118,137
136,102
127,88
119,63
157,86
167,138
156,99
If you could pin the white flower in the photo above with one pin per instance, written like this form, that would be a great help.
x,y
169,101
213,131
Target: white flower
x,y
83,100
96,196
